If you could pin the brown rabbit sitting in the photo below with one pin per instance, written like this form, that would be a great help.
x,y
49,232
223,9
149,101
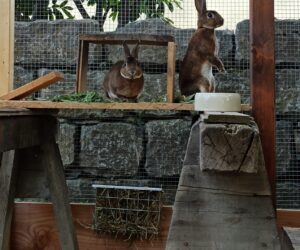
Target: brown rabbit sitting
x,y
196,70
125,79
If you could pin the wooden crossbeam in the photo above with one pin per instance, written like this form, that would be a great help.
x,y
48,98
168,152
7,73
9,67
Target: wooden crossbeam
x,y
33,86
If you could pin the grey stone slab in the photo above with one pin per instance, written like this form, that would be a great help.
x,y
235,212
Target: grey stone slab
x,y
166,144
111,149
50,42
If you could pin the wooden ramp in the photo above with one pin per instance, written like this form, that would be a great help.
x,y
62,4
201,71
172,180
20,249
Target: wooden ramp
x,y
221,210
216,211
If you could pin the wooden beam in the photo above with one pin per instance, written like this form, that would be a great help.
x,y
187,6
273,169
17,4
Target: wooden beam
x,y
82,66
262,73
288,218
171,71
36,85
34,228
7,27
116,105
59,195
8,174
113,38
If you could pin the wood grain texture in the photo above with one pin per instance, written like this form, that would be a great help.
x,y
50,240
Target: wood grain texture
x,y
8,175
117,105
19,132
113,38
222,211
82,66
30,88
288,218
7,28
59,195
34,228
262,74
171,71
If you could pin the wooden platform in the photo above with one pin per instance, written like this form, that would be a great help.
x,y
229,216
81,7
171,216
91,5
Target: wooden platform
x,y
117,105
222,211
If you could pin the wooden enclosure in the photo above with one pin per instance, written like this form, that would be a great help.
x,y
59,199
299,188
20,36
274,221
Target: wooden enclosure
x,y
262,106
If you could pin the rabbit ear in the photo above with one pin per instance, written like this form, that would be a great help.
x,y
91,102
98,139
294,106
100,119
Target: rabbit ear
x,y
200,6
135,50
126,49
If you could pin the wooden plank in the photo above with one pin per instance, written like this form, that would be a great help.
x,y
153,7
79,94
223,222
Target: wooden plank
x,y
30,88
34,228
288,218
82,66
223,211
113,38
59,195
20,132
262,74
117,105
8,172
6,45
171,71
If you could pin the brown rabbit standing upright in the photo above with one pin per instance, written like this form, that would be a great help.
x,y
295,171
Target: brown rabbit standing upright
x,y
196,70
125,79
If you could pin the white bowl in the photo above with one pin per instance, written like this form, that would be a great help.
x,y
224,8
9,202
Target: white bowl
x,y
218,102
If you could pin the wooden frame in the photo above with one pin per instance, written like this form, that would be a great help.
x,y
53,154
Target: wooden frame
x,y
262,73
113,38
7,28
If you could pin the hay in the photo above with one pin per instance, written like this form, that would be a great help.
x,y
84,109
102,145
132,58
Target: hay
x,y
128,211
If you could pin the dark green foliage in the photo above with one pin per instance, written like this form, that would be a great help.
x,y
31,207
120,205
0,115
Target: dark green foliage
x,y
86,97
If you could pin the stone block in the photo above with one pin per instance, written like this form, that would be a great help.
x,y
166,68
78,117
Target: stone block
x,y
50,43
166,145
234,81
287,39
66,135
230,147
111,149
287,90
283,146
22,76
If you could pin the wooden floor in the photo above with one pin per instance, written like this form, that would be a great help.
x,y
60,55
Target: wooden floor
x,y
34,229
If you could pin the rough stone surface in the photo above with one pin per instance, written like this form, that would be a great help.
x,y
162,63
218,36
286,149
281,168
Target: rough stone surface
x,y
111,148
283,146
158,54
68,85
234,81
287,90
230,147
287,194
166,146
66,142
50,42
297,141
287,39
22,76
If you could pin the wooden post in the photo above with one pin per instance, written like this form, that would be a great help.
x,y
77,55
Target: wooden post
x,y
7,15
171,71
82,66
262,70
7,186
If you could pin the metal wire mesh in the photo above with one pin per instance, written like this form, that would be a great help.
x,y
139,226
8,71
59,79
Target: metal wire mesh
x,y
287,30
111,147
128,211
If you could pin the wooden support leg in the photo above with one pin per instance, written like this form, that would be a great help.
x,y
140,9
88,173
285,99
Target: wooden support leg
x,y
59,194
8,171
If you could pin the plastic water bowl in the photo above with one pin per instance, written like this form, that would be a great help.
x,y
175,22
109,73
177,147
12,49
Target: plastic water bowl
x,y
218,102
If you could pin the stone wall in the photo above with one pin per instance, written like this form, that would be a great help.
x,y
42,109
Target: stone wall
x,y
122,146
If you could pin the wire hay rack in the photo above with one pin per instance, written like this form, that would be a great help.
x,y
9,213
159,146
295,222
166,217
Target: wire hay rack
x,y
127,211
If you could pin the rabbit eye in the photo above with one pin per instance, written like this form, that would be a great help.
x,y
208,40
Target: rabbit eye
x,y
210,15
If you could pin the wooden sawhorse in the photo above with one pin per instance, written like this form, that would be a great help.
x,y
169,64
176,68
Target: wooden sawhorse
x,y
23,130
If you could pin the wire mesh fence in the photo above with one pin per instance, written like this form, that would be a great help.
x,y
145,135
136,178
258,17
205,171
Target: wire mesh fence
x,y
113,147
